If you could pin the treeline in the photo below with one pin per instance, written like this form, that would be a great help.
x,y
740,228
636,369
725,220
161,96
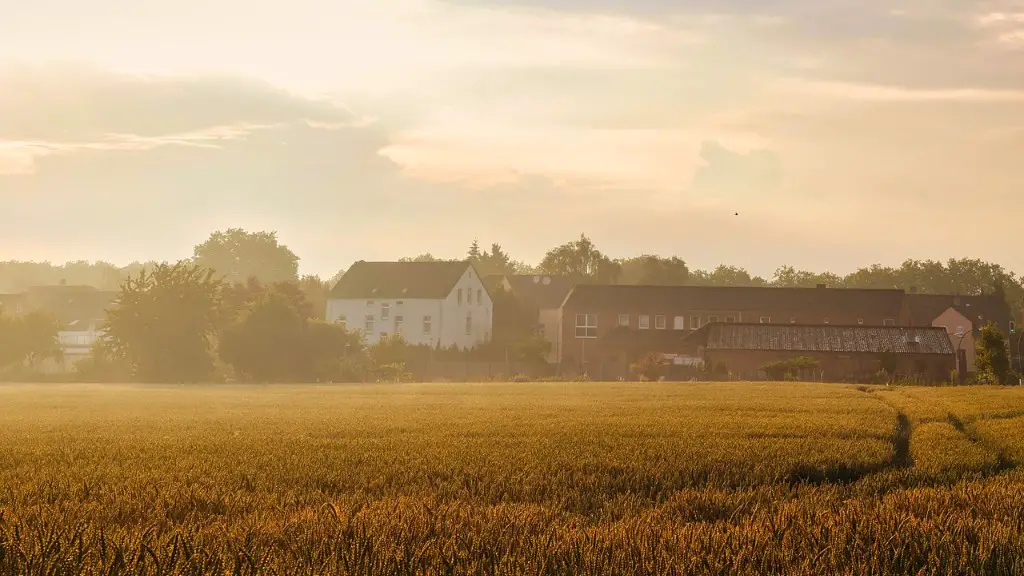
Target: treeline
x,y
238,255
182,323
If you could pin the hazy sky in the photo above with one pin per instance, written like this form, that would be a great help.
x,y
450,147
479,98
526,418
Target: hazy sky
x,y
844,132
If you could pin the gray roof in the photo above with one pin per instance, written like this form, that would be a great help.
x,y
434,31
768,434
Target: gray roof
x,y
980,310
429,280
541,291
824,338
815,302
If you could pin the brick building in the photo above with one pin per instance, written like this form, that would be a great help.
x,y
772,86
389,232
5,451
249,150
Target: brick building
x,y
842,353
591,313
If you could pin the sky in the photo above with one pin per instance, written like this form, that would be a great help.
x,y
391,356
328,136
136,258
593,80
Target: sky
x,y
843,132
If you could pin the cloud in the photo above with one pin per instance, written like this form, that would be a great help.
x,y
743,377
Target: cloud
x,y
888,93
749,177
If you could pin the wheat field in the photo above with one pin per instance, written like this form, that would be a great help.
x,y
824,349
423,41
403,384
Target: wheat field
x,y
553,478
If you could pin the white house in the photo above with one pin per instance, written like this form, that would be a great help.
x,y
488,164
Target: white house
x,y
434,303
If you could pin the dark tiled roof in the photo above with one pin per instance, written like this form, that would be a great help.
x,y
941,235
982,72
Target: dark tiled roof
x,y
543,292
73,306
816,302
924,308
824,338
399,280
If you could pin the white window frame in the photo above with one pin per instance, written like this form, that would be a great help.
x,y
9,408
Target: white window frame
x,y
765,320
860,321
399,320
730,319
343,321
586,326
368,324
792,319
369,303
428,325
660,322
626,318
385,311
644,322
694,322
679,323
827,321
479,297
889,322
959,331
712,319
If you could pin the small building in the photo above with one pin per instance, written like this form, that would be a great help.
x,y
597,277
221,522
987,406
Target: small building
x,y
80,310
542,297
432,303
841,353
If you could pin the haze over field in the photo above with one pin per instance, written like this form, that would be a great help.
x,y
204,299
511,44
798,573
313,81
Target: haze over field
x,y
357,129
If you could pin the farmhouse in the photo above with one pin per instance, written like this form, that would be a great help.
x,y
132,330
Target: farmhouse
x,y
433,303
591,313
840,353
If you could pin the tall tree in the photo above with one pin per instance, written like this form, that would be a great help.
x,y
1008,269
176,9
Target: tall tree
x,y
163,323
494,262
267,341
237,255
580,260
789,277
726,276
316,292
992,356
653,270
28,339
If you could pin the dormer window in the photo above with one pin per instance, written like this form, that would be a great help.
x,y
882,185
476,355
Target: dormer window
x,y
369,303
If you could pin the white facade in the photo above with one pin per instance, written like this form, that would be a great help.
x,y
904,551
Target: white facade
x,y
462,319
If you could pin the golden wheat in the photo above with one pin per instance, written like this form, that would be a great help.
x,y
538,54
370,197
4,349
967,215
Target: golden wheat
x,y
738,478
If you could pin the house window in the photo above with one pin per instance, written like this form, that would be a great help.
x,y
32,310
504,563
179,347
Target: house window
x,y
792,319
889,322
469,324
479,297
428,324
399,303
765,320
385,311
659,322
712,319
826,321
369,303
586,325
342,321
399,320
694,322
645,322
460,296
624,320
860,321
959,330
368,325
678,323
730,318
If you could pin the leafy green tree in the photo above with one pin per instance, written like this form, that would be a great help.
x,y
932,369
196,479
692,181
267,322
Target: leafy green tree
x,y
315,292
582,261
29,339
650,270
237,255
332,354
726,276
992,356
266,344
164,322
789,277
